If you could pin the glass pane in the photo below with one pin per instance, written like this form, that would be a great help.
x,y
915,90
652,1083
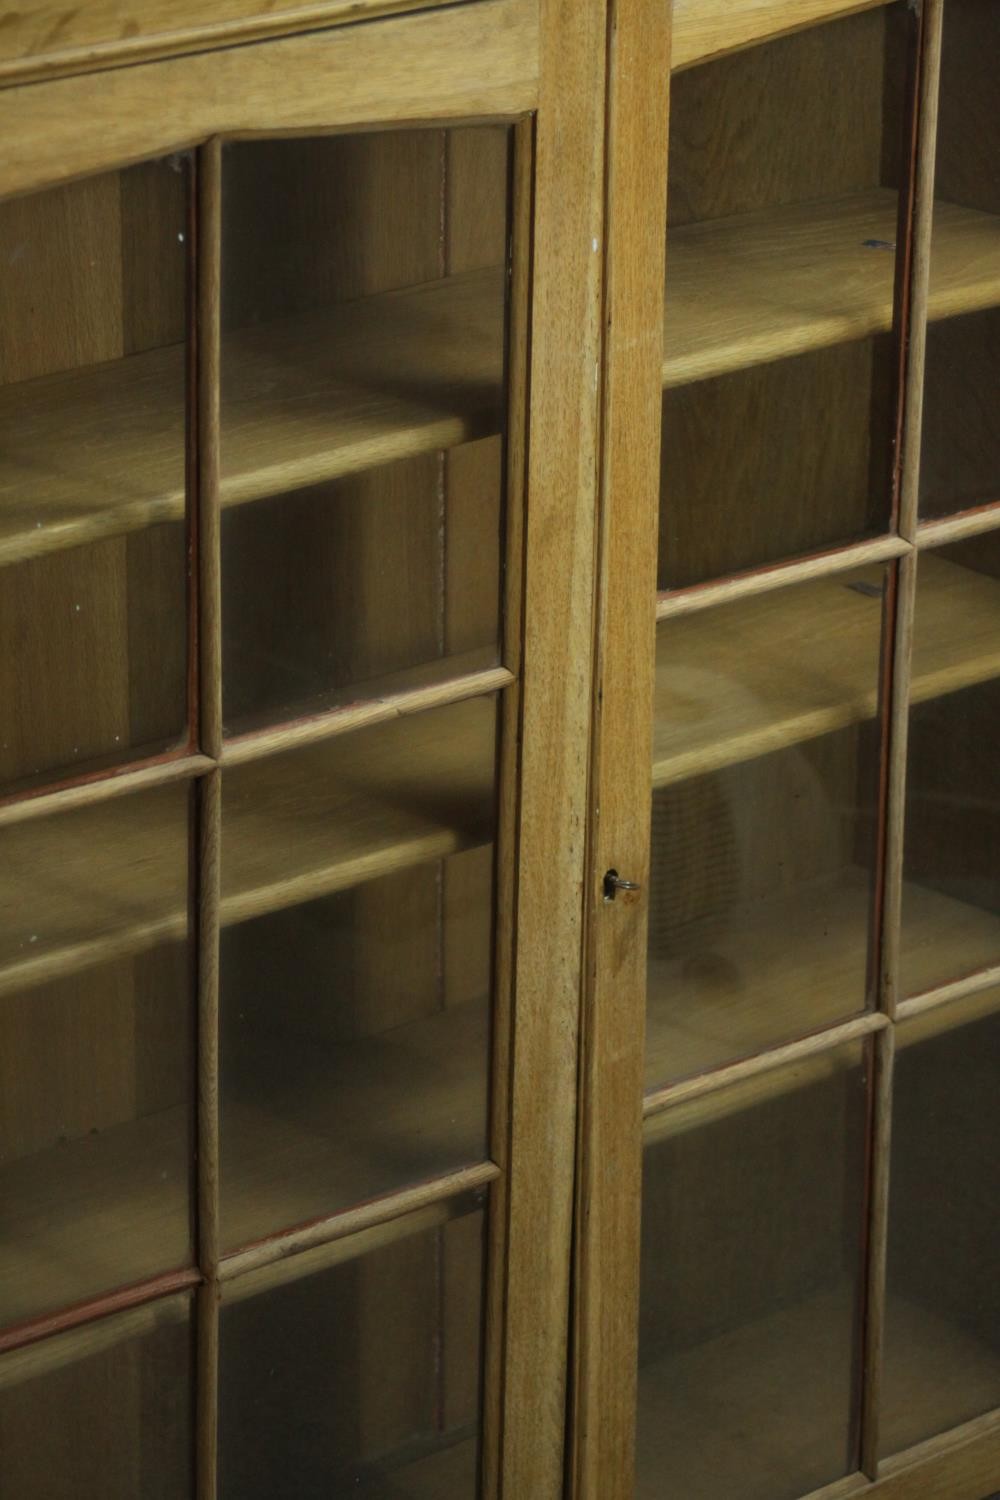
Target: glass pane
x,y
785,168
751,1286
943,1311
362,410
96,1050
960,465
356,1002
104,1410
951,896
355,1371
765,777
92,540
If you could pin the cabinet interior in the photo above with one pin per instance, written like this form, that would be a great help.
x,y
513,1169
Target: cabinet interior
x,y
787,164
363,329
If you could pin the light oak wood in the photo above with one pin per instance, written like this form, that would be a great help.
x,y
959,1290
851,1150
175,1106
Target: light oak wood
x,y
708,28
924,219
413,371
468,61
606,1295
750,1371
332,816
42,38
728,688
767,285
873,1333
673,602
958,1465
39,1358
304,401
562,460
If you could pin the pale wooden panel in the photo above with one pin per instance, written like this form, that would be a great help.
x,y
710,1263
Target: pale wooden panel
x,y
45,36
706,28
769,284
788,123
736,296
304,401
732,484
728,688
474,60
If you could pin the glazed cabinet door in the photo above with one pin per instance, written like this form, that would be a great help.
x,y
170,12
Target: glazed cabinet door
x,y
791,1052
293,760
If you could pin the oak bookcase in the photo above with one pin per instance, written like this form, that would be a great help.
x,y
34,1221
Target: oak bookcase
x,y
500,750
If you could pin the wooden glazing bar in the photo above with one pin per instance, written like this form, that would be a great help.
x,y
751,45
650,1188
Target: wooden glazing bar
x,y
876,1245
378,710
954,528
704,29
753,1078
950,1005
466,61
515,463
609,1164
208,925
963,1464
53,1343
895,793
208,405
144,1299
920,279
283,1256
104,788
206,1391
825,564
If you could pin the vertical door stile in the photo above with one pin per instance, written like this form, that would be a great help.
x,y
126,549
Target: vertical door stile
x,y
900,639
555,721
209,654
515,458
610,1146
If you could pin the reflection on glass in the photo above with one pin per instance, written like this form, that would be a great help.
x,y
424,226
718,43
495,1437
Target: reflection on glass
x,y
778,405
765,765
356,1002
951,896
960,451
103,1410
355,1369
750,1286
96,1054
362,407
943,1311
92,548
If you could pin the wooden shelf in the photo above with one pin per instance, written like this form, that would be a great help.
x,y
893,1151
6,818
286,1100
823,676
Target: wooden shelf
x,y
792,967
103,882
704,29
334,1127
99,451
767,285
768,1381
747,678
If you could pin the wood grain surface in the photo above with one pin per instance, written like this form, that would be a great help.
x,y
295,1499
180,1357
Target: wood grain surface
x,y
707,28
776,669
765,285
